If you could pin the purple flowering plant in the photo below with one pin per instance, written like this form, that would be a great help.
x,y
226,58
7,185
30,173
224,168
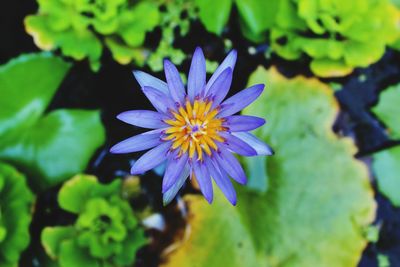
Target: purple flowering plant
x,y
195,130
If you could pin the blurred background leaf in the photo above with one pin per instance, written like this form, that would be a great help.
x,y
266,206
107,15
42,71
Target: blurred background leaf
x,y
388,110
386,164
50,147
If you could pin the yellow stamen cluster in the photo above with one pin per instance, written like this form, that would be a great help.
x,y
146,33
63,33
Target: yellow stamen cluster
x,y
195,128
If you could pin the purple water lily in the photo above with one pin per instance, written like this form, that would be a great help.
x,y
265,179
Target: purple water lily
x,y
194,131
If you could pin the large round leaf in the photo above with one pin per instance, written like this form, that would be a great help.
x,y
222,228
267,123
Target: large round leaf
x,y
27,85
48,147
318,201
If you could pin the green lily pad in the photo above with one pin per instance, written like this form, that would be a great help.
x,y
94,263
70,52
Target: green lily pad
x,y
28,84
386,166
388,109
50,147
318,201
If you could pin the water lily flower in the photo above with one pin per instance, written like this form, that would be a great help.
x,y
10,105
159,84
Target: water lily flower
x,y
194,131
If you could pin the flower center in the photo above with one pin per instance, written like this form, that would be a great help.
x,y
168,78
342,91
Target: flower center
x,y
194,128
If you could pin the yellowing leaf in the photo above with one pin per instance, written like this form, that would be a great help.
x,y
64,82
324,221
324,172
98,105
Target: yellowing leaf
x,y
318,201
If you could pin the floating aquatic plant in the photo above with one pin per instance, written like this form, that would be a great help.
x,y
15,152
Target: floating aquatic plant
x,y
195,130
337,35
318,202
106,232
15,215
80,28
30,135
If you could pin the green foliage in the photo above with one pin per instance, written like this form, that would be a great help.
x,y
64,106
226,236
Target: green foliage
x,y
177,15
80,28
15,215
337,35
106,233
256,16
48,147
214,14
319,200
388,110
386,164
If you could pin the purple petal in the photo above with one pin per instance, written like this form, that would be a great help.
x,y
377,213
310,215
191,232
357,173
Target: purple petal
x,y
231,165
151,159
240,100
197,74
145,79
171,193
174,168
204,180
175,84
143,118
160,101
229,62
242,123
220,87
261,147
222,180
138,142
238,146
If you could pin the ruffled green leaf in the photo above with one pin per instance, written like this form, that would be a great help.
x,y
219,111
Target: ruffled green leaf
x,y
51,147
319,198
52,236
79,28
106,230
76,191
15,215
335,34
72,255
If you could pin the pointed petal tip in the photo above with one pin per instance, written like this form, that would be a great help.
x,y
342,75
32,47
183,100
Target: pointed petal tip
x,y
135,171
209,199
233,53
166,61
272,152
120,116
114,149
136,73
198,50
259,86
